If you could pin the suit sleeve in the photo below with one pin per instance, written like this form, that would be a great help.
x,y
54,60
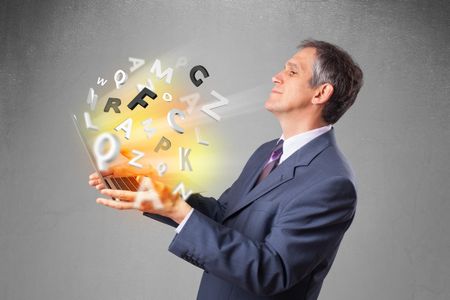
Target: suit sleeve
x,y
306,230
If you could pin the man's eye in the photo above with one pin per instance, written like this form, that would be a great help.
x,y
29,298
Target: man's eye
x,y
292,73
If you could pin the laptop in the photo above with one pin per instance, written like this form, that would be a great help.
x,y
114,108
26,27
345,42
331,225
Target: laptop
x,y
129,183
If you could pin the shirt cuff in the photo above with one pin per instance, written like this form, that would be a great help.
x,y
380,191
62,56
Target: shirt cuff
x,y
181,225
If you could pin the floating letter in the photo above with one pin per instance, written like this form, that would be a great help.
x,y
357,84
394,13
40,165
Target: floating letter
x,y
164,143
104,158
139,99
133,162
88,121
113,103
148,130
137,63
162,169
191,101
126,127
92,98
167,97
199,140
184,159
147,192
148,85
195,81
156,68
101,81
207,108
170,119
180,188
120,78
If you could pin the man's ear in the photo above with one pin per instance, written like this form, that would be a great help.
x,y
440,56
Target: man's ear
x,y
323,93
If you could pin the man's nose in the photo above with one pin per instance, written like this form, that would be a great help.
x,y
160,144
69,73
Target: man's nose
x,y
277,78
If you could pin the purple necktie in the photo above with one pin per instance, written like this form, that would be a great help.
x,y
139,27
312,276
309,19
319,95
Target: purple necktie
x,y
272,162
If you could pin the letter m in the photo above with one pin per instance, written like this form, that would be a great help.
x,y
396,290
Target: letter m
x,y
156,68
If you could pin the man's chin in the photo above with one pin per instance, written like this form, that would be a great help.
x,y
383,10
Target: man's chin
x,y
268,105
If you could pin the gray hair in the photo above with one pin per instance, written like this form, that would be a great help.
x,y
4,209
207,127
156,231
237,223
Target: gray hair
x,y
334,66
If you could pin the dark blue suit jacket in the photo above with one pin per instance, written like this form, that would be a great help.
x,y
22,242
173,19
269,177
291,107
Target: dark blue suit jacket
x,y
279,239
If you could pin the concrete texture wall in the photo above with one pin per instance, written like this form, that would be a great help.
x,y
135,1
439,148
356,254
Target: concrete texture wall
x,y
57,243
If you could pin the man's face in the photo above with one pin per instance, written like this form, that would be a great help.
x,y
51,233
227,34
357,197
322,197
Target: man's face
x,y
292,92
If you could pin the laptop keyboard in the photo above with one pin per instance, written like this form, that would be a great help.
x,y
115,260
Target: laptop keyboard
x,y
125,183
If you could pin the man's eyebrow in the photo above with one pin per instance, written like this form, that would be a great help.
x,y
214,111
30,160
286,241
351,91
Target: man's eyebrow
x,y
292,65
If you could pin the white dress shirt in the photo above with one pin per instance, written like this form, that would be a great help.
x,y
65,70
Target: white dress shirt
x,y
290,146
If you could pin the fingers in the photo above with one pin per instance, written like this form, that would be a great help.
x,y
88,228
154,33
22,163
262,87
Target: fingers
x,y
120,194
149,201
97,183
100,186
93,179
95,175
94,182
120,205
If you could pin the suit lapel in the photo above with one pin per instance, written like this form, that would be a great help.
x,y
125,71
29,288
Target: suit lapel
x,y
257,170
283,172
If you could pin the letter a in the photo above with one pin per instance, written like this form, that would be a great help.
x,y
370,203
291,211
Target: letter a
x,y
126,127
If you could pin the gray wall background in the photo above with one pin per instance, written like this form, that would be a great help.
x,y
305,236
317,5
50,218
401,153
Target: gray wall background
x,y
57,243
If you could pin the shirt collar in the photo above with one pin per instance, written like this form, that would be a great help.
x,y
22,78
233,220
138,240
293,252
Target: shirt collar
x,y
295,142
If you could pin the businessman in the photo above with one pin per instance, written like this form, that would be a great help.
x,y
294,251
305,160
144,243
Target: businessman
x,y
275,232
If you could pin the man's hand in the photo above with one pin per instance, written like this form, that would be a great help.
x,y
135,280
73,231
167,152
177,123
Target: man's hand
x,y
121,168
157,200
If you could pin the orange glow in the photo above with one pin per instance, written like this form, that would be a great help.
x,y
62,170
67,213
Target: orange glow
x,y
203,158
